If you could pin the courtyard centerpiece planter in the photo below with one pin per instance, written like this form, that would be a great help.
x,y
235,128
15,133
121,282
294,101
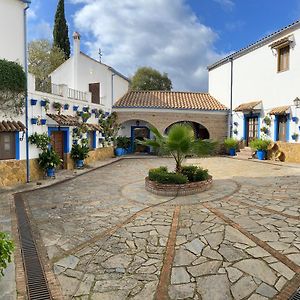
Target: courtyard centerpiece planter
x,y
261,147
191,180
231,145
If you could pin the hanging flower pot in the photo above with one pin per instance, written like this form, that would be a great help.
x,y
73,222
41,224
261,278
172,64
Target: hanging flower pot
x,y
34,121
66,106
75,107
43,121
295,119
43,103
33,102
295,136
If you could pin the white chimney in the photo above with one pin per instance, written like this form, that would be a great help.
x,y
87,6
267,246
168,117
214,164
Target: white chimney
x,y
76,43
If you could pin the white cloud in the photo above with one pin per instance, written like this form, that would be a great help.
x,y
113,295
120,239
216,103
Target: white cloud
x,y
226,4
40,30
163,34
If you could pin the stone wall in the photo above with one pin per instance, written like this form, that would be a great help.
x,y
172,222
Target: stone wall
x,y
94,155
215,123
291,151
13,172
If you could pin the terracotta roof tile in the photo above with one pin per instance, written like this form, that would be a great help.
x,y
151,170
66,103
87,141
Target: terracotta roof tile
x,y
11,126
248,106
169,100
281,110
68,120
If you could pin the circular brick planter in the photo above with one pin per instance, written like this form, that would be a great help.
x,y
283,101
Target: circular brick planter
x,y
177,189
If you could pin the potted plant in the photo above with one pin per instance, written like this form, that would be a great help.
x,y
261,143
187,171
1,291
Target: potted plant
x,y
33,102
66,106
295,136
75,107
235,131
261,147
231,145
80,152
85,116
34,121
265,130
295,119
123,143
48,161
57,106
43,121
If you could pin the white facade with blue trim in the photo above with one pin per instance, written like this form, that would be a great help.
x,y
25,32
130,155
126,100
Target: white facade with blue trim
x,y
267,72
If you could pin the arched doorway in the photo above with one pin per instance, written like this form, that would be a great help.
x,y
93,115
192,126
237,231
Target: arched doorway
x,y
200,131
136,130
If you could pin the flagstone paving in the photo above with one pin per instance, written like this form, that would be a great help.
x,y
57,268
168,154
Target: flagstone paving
x,y
105,237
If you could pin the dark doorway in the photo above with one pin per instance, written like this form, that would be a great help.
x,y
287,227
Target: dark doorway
x,y
252,128
199,130
57,143
139,133
282,127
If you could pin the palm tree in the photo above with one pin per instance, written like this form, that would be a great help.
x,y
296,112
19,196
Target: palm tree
x,y
179,143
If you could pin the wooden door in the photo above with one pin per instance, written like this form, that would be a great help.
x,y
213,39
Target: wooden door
x,y
282,121
139,135
252,129
57,142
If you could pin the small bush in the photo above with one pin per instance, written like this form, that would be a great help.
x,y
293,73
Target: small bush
x,y
161,175
260,144
195,173
6,249
231,143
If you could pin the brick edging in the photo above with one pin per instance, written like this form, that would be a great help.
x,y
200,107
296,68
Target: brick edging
x,y
177,189
165,275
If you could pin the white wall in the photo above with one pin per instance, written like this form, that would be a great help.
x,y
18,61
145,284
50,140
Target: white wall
x,y
12,30
255,77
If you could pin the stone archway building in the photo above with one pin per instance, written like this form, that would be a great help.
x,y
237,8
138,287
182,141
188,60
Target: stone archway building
x,y
161,109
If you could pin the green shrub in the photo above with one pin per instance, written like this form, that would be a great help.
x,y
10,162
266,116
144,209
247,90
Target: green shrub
x,y
6,249
231,143
123,142
80,151
49,159
161,175
41,141
194,173
260,144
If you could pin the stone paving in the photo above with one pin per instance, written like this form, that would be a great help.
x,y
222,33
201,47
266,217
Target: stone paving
x,y
105,237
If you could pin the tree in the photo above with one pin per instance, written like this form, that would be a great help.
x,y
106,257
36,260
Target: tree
x,y
148,79
60,30
12,87
179,143
43,59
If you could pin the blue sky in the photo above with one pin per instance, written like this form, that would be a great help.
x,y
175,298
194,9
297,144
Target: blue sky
x,y
179,37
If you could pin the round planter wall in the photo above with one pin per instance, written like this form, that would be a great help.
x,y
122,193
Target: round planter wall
x,y
177,189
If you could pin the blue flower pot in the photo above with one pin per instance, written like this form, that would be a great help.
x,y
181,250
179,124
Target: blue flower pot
x,y
43,103
75,107
34,121
106,114
119,151
43,121
33,102
66,106
232,152
75,142
295,119
79,163
261,154
94,110
51,172
85,109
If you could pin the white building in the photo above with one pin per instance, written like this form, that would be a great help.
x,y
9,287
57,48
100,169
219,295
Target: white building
x,y
262,80
81,72
73,87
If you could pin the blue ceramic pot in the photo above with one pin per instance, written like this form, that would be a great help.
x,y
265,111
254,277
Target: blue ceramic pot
x,y
75,107
119,151
232,152
51,172
33,101
261,154
79,163
33,120
43,121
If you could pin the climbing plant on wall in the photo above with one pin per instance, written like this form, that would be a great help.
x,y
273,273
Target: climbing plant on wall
x,y
12,87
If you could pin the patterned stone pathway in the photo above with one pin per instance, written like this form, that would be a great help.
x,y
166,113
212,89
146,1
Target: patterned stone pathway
x,y
105,237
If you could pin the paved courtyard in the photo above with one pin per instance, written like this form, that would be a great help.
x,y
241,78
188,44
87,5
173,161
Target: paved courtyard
x,y
106,238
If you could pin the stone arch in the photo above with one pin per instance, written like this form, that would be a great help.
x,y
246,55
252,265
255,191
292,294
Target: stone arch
x,y
200,131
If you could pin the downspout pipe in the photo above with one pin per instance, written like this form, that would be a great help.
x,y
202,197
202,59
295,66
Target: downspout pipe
x,y
112,89
26,92
231,97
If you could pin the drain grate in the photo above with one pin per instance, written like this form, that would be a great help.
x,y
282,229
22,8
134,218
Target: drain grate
x,y
37,287
296,296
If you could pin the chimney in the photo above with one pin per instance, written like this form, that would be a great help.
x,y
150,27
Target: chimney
x,y
76,43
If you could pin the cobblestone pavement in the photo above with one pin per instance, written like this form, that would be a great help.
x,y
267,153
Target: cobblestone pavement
x,y
105,237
